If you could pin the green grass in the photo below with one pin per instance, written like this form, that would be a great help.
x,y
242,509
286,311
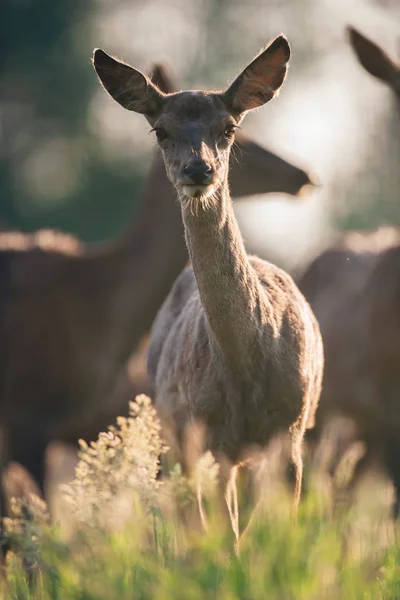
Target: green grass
x,y
128,539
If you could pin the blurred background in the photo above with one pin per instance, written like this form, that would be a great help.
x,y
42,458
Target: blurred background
x,y
72,159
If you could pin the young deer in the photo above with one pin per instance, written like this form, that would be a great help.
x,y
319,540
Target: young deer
x,y
235,346
72,315
352,290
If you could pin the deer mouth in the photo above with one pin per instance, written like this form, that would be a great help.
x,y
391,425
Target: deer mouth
x,y
194,190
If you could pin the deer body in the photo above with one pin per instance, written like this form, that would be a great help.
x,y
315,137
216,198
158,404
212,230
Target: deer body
x,y
230,347
352,289
348,289
335,284
235,345
68,328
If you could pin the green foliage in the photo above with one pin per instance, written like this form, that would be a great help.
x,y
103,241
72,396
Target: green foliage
x,y
148,550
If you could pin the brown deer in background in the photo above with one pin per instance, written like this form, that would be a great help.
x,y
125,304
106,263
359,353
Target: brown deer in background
x,y
235,345
72,315
352,289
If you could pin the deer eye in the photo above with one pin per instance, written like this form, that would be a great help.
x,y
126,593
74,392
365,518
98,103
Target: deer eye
x,y
161,134
229,131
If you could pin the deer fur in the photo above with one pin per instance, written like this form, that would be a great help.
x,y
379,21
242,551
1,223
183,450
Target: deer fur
x,y
335,286
253,169
235,345
342,288
352,288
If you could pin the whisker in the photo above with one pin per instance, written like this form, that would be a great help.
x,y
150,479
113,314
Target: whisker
x,y
233,155
242,151
236,147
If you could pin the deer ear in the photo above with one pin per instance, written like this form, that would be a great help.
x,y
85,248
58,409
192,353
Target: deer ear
x,y
371,56
162,77
129,87
260,81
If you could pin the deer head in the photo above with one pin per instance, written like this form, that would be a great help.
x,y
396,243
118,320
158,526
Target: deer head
x,y
196,129
253,169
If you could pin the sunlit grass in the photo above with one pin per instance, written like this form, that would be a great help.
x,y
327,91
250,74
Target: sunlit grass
x,y
138,538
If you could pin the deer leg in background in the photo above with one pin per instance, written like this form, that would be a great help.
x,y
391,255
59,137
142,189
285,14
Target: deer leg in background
x,y
28,445
22,471
344,495
392,461
4,543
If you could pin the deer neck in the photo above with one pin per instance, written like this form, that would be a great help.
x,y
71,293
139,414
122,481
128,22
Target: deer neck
x,y
230,292
136,271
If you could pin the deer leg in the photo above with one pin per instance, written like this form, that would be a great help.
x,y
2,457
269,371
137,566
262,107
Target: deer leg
x,y
227,497
250,501
396,504
392,459
4,542
231,497
360,469
247,495
32,458
296,470
344,495
4,460
200,505
28,448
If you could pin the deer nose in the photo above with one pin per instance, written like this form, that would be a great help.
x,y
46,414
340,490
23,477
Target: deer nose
x,y
198,172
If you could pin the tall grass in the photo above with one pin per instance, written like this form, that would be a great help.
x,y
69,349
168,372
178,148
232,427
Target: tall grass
x,y
134,537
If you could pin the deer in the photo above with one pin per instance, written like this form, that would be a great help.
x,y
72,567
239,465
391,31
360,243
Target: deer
x,y
73,314
235,345
351,289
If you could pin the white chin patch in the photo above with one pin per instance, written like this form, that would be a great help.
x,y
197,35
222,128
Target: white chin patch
x,y
197,191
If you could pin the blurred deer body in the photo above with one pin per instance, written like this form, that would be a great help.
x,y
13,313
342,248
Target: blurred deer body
x,y
235,346
335,285
353,290
72,314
